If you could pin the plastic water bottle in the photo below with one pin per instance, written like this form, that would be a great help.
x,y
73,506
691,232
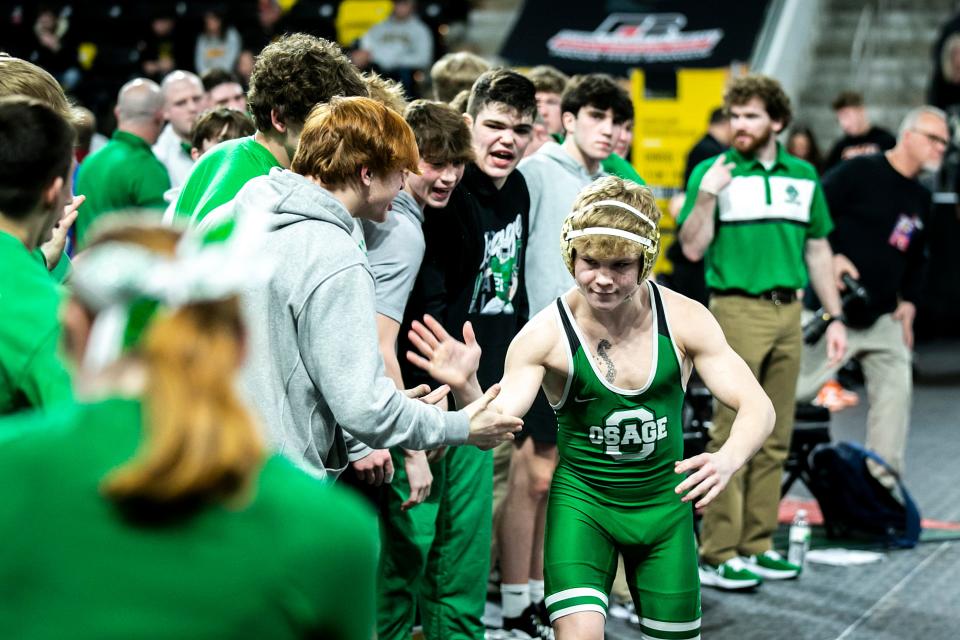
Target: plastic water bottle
x,y
799,539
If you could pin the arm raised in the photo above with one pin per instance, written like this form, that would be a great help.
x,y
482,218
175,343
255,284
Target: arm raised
x,y
455,363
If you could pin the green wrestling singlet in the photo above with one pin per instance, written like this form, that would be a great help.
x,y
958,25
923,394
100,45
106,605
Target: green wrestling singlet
x,y
613,490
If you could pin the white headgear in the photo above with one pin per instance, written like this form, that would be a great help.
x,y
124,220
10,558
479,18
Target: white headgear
x,y
650,245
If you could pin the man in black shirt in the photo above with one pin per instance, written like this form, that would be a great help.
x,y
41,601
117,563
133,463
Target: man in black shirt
x,y
860,137
879,210
714,142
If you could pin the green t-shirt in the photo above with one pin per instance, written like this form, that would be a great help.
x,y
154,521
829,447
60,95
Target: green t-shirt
x,y
763,219
123,175
617,166
60,272
219,175
32,375
298,561
614,165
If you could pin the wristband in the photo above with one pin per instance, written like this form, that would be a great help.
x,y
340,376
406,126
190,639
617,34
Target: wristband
x,y
708,191
841,318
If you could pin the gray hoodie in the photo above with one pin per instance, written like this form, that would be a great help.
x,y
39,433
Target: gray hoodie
x,y
313,368
554,179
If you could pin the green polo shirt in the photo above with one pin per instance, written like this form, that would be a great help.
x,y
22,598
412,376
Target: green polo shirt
x,y
219,175
299,560
123,175
31,372
763,219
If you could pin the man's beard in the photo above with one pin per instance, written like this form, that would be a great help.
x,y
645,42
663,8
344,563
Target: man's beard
x,y
754,144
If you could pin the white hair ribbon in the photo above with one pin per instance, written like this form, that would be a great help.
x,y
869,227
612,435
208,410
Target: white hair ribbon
x,y
110,277
609,231
620,205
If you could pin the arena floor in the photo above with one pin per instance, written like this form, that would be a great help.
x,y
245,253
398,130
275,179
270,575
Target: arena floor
x,y
910,594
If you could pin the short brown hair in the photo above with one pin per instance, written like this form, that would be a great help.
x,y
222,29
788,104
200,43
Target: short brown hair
x,y
295,73
442,134
19,77
219,125
768,90
344,134
548,79
847,99
459,102
505,87
387,91
455,72
600,91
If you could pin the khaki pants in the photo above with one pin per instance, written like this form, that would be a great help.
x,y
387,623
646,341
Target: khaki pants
x,y
887,371
742,519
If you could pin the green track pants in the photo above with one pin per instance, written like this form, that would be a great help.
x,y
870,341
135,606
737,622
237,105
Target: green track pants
x,y
436,556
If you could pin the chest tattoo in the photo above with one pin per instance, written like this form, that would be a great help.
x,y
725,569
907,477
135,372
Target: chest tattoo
x,y
602,348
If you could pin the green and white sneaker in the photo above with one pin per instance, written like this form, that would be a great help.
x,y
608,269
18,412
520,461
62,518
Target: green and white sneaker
x,y
772,566
730,575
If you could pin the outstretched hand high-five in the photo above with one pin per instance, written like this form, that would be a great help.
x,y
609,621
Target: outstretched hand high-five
x,y
455,363
442,356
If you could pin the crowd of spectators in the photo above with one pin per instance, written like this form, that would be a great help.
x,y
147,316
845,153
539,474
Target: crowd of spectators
x,y
92,49
393,227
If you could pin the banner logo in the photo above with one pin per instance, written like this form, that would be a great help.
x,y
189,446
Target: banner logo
x,y
636,37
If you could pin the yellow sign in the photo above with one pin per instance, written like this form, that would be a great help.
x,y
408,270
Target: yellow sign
x,y
664,131
355,17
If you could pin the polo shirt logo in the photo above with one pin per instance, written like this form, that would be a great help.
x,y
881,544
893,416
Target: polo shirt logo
x,y
793,196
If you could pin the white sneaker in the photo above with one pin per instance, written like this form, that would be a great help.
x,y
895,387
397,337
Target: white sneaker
x,y
620,611
770,565
624,611
730,575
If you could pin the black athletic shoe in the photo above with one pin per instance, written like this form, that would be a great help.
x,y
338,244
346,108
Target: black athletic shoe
x,y
528,625
542,614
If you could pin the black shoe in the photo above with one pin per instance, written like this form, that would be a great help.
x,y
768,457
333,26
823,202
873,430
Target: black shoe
x,y
528,625
542,614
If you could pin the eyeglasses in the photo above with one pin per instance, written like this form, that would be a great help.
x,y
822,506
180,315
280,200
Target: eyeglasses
x,y
935,139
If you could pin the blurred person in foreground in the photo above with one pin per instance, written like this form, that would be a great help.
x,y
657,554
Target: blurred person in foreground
x,y
153,495
21,78
36,157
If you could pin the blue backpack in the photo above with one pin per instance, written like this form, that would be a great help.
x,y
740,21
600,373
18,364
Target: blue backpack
x,y
855,504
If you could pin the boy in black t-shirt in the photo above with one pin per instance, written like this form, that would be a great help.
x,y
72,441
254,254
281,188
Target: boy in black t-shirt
x,y
473,270
880,209
860,137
